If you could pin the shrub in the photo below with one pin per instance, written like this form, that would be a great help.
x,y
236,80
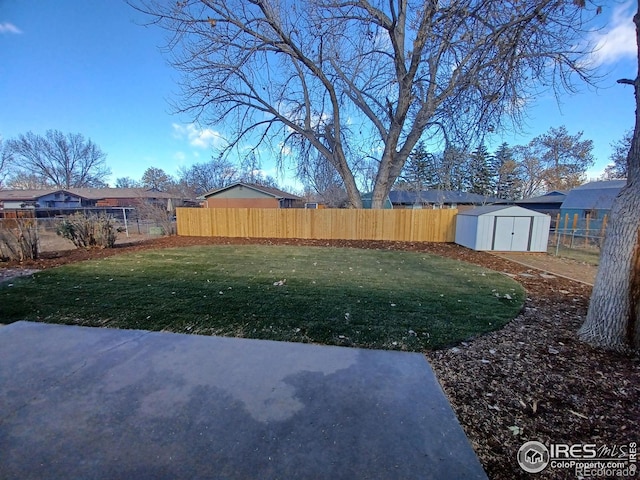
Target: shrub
x,y
19,239
89,231
159,215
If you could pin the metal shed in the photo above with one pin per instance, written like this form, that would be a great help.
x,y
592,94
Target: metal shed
x,y
503,228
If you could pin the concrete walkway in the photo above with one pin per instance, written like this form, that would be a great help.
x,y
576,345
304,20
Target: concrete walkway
x,y
79,403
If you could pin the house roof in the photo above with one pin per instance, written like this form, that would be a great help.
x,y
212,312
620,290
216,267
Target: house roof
x,y
26,195
508,210
273,192
594,195
101,193
551,198
87,193
438,197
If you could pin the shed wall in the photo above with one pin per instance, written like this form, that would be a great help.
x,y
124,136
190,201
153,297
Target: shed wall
x,y
504,230
466,228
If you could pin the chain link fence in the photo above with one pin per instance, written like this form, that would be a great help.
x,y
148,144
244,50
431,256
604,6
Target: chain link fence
x,y
577,236
18,234
579,244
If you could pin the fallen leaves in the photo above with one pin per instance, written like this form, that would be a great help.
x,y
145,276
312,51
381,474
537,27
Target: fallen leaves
x,y
577,395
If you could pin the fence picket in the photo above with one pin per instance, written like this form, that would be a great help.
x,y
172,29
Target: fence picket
x,y
324,224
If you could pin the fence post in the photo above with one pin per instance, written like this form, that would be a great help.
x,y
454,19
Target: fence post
x,y
566,225
586,236
603,228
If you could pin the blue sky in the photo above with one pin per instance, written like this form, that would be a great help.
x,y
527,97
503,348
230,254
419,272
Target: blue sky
x,y
90,67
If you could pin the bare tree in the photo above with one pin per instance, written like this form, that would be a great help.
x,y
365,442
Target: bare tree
x,y
565,158
156,178
5,160
60,160
250,171
555,160
26,181
127,182
348,78
617,169
323,181
613,319
204,177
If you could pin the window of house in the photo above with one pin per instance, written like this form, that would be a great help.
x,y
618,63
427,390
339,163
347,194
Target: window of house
x,y
592,214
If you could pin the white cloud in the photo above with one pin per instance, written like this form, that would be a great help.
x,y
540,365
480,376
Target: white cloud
x,y
7,27
197,137
285,149
179,156
618,39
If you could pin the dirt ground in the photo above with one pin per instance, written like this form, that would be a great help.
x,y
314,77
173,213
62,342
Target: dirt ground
x,y
565,267
531,380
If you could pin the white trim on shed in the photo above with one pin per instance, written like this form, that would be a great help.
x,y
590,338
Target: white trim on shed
x,y
504,228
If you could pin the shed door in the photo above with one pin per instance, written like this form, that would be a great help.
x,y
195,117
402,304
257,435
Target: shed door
x,y
511,234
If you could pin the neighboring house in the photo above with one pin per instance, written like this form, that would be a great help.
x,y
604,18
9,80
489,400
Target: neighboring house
x,y
438,199
32,200
247,195
368,197
549,203
593,199
53,202
126,197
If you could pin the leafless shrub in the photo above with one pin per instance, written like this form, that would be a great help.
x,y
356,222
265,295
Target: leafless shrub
x,y
19,239
89,231
157,214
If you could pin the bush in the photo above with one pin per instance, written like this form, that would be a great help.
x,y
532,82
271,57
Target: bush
x,y
19,239
89,231
159,215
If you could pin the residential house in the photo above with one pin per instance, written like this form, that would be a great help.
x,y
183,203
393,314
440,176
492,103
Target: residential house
x,y
247,195
548,203
53,202
593,200
438,199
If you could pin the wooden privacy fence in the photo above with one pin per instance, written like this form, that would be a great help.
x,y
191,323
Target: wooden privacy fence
x,y
325,224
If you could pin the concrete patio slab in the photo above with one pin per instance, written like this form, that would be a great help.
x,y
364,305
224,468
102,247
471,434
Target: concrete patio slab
x,y
88,403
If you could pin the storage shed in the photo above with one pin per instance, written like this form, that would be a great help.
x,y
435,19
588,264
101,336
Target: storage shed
x,y
503,228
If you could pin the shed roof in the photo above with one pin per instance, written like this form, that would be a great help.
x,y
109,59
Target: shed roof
x,y
594,195
273,192
506,210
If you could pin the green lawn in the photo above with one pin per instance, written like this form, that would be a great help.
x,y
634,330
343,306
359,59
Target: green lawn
x,y
364,298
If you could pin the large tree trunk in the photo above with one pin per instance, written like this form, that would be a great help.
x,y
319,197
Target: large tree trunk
x,y
613,320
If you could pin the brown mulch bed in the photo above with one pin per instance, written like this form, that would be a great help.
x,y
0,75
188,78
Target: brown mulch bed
x,y
533,374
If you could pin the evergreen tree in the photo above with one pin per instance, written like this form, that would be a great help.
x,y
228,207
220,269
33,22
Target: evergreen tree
x,y
481,172
419,173
453,169
508,182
